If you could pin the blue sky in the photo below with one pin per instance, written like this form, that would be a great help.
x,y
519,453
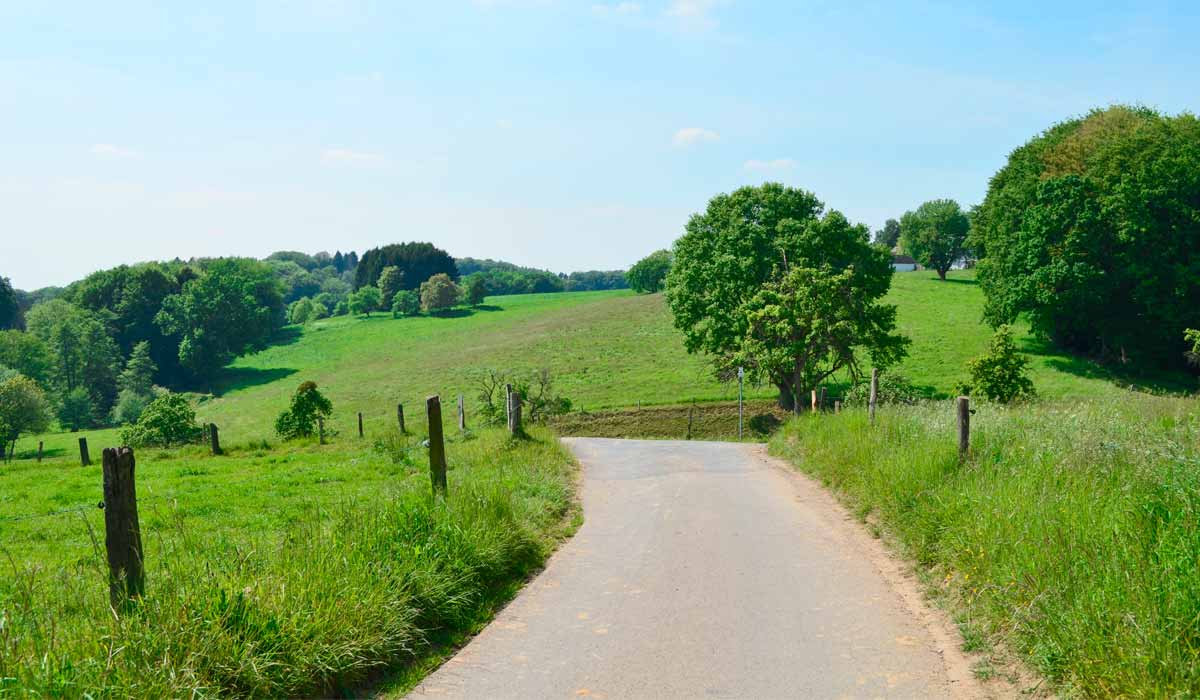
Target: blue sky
x,y
565,135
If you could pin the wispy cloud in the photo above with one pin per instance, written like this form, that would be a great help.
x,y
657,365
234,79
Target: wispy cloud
x,y
618,8
692,14
345,155
108,150
769,166
692,135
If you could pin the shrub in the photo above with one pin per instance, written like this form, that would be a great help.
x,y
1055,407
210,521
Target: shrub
x,y
129,406
23,408
1000,375
405,303
536,389
167,421
439,293
300,420
893,388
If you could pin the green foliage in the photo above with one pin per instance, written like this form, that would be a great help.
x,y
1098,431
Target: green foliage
x,y
129,406
503,278
1070,534
81,352
751,237
341,309
301,311
167,421
1001,374
27,354
1090,229
138,375
810,324
405,303
475,290
24,409
365,300
391,280
935,234
888,237
648,274
539,400
300,419
439,293
1192,336
417,261
77,410
233,307
10,309
893,388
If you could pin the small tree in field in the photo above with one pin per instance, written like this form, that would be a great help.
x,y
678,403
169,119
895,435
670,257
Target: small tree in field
x,y
1000,375
439,293
405,303
935,234
391,280
300,419
365,300
23,409
476,290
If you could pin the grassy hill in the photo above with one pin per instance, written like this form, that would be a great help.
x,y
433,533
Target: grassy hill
x,y
606,349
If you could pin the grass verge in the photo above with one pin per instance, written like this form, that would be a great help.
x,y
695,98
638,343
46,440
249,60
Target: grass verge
x,y
1071,534
351,584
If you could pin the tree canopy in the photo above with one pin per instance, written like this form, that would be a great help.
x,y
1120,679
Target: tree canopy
x,y
758,235
23,410
650,273
10,308
888,236
1092,229
935,234
439,293
417,261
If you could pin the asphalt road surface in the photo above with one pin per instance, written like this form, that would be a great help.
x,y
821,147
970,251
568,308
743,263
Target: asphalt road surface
x,y
707,570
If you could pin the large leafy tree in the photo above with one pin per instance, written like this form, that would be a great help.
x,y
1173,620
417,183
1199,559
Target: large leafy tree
x,y
650,273
82,355
23,410
365,300
1092,229
439,293
391,280
935,234
755,236
27,354
233,307
417,261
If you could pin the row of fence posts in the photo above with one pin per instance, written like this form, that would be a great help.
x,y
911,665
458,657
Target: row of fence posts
x,y
122,532
962,411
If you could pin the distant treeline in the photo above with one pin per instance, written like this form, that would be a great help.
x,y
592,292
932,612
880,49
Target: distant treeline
x,y
507,278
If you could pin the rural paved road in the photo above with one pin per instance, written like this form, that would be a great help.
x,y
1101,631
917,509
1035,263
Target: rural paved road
x,y
707,570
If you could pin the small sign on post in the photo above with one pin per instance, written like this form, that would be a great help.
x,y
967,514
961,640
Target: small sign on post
x,y
437,446
122,534
964,427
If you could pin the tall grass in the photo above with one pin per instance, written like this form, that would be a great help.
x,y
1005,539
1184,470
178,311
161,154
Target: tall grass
x,y
327,603
1072,532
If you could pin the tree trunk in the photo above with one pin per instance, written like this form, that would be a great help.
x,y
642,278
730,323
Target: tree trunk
x,y
942,274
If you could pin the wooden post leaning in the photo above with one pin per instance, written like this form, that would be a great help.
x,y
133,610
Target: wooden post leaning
x,y
84,459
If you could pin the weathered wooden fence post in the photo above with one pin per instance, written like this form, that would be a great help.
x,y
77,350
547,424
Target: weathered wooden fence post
x,y
214,439
508,405
515,415
122,534
437,447
462,413
360,430
814,400
874,394
84,459
964,427
320,431
821,402
837,407
691,417
400,417
39,450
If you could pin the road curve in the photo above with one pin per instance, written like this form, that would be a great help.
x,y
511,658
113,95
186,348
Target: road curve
x,y
707,570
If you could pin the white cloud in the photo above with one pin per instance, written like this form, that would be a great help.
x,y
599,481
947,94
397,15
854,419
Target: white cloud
x,y
692,14
769,166
619,8
108,150
345,155
691,135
